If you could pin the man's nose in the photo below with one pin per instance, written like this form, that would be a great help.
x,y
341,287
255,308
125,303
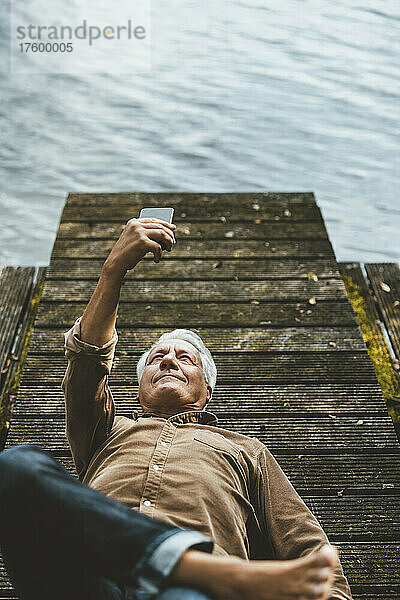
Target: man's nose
x,y
169,361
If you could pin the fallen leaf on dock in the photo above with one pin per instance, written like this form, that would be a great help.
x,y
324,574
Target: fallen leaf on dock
x,y
236,278
396,303
340,493
360,422
312,300
223,219
384,286
216,265
257,221
256,206
229,234
312,276
255,302
333,416
287,212
333,344
8,361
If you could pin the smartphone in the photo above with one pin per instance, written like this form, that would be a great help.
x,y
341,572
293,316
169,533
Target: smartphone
x,y
164,214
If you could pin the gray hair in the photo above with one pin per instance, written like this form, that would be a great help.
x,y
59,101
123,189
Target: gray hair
x,y
207,361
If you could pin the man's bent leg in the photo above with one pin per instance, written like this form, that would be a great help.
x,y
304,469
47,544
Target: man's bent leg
x,y
54,529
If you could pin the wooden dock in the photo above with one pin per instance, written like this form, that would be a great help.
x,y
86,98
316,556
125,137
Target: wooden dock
x,y
256,275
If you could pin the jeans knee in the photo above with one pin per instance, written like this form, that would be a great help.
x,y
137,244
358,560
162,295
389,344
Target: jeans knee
x,y
18,464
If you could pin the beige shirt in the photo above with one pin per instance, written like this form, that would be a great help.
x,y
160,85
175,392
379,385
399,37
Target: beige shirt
x,y
184,470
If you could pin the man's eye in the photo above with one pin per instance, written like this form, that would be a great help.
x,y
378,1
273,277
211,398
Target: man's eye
x,y
156,356
186,356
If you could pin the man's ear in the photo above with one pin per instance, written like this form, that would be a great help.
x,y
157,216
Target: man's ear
x,y
209,393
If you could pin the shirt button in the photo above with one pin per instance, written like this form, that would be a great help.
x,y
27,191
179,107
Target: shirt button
x,y
163,443
147,503
156,467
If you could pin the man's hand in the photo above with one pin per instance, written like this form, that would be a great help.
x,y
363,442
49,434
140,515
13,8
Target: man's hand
x,y
139,237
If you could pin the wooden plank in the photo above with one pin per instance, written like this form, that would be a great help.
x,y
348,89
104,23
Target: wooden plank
x,y
238,399
385,282
192,249
294,368
194,207
202,291
293,434
207,314
368,566
187,199
209,269
284,339
15,285
256,230
347,518
14,371
324,474
369,322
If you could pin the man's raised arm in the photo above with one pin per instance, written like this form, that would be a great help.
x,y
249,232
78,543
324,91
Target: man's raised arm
x,y
138,237
90,343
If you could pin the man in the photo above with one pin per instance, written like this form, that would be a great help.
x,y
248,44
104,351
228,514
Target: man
x,y
171,507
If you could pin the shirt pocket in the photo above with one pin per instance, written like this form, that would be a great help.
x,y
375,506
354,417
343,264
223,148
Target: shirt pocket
x,y
217,442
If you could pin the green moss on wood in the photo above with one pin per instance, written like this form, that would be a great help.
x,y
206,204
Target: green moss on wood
x,y
377,348
11,389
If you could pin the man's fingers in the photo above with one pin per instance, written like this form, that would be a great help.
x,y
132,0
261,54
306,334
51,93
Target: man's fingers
x,y
156,250
163,237
150,220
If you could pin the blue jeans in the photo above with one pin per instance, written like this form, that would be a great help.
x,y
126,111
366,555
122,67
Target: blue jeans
x,y
62,539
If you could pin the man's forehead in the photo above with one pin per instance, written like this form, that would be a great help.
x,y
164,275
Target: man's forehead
x,y
178,344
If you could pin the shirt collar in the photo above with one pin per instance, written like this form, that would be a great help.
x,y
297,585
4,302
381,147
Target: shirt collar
x,y
202,417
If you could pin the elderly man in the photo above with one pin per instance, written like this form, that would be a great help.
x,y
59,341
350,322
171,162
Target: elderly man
x,y
167,505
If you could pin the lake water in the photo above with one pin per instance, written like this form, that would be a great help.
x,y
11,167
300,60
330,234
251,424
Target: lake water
x,y
241,96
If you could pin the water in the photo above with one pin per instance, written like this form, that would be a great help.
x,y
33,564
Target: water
x,y
241,96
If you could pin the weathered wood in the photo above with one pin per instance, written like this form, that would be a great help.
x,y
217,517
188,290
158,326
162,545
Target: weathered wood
x,y
192,249
201,291
201,269
284,339
194,207
12,376
238,399
291,434
369,323
207,314
15,285
307,367
190,199
256,230
385,282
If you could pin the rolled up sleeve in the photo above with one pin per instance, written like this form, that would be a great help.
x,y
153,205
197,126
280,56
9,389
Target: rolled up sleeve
x,y
288,523
89,404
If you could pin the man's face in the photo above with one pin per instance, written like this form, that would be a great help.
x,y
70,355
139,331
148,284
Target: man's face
x,y
173,379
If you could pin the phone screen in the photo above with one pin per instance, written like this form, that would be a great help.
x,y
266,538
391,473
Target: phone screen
x,y
164,214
